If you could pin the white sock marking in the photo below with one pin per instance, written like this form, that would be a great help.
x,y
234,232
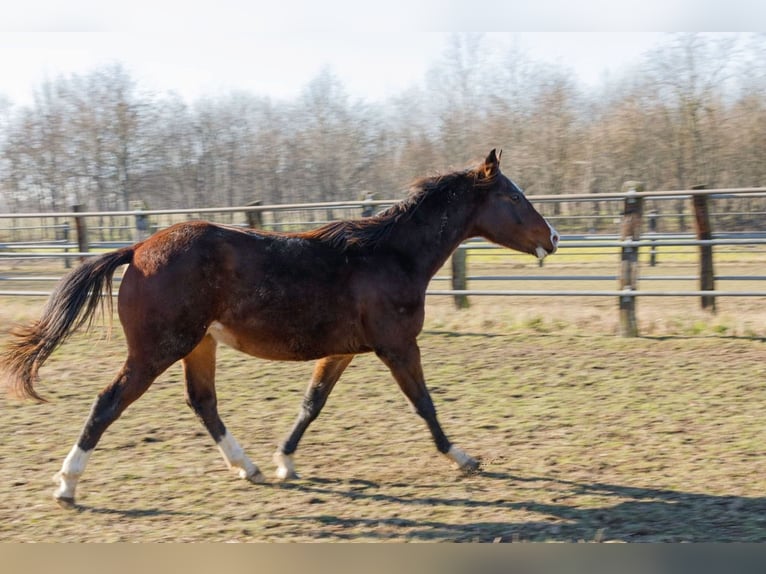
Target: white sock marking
x,y
235,457
460,458
285,465
71,470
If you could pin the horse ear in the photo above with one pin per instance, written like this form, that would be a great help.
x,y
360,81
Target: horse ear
x,y
492,164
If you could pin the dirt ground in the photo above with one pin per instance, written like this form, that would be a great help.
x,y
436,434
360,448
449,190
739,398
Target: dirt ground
x,y
583,436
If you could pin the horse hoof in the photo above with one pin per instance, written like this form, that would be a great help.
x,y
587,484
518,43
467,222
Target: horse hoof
x,y
63,494
471,466
65,501
256,478
285,475
467,464
285,467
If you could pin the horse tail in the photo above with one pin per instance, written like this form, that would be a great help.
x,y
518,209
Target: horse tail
x,y
74,302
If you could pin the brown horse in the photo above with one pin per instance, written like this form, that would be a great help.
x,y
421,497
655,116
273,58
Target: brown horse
x,y
348,287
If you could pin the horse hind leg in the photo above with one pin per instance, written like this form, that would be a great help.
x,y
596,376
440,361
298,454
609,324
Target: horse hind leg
x,y
327,371
129,384
199,371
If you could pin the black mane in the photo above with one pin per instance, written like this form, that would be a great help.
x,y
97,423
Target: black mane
x,y
353,234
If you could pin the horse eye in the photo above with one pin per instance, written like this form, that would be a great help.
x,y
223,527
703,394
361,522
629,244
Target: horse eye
x,y
515,197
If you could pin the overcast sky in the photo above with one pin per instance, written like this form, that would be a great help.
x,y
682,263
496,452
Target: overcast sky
x,y
275,48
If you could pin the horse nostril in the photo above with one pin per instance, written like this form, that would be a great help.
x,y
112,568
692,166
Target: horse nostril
x,y
555,238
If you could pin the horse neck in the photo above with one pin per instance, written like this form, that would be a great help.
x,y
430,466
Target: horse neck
x,y
429,235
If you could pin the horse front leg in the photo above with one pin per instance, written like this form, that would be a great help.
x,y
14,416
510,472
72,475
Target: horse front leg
x,y
199,372
404,363
327,371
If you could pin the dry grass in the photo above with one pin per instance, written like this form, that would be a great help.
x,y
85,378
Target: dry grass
x,y
583,435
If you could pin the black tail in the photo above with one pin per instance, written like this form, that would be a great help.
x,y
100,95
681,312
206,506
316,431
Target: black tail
x,y
73,303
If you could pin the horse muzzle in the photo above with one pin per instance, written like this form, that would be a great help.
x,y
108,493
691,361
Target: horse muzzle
x,y
541,251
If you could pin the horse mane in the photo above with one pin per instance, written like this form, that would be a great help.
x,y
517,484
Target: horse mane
x,y
351,234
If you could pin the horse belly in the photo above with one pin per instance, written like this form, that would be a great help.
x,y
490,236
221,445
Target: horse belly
x,y
286,343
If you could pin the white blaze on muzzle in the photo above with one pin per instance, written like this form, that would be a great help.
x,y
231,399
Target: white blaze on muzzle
x,y
540,250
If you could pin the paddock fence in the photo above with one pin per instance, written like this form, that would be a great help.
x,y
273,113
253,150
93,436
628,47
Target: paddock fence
x,y
677,239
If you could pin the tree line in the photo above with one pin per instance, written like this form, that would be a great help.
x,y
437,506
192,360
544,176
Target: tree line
x,y
692,111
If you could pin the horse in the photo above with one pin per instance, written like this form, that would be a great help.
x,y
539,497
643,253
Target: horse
x,y
326,295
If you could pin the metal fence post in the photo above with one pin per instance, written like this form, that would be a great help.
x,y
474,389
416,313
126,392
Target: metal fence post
x,y
652,231
704,232
368,209
628,277
65,237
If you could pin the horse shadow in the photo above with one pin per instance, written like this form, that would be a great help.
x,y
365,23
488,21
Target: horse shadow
x,y
132,512
638,515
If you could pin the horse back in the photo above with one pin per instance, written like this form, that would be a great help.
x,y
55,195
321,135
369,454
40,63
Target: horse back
x,y
278,296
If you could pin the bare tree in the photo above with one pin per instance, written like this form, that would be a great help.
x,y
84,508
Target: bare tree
x,y
454,85
693,111
688,77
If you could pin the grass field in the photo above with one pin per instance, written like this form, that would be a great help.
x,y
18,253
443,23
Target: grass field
x,y
582,435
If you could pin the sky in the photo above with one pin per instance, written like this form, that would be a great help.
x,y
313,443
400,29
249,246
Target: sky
x,y
275,48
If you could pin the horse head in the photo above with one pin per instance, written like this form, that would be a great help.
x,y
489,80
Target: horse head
x,y
505,216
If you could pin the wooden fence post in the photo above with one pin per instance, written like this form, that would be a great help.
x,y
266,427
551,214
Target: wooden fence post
x,y
140,221
254,218
628,277
704,232
82,230
459,281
